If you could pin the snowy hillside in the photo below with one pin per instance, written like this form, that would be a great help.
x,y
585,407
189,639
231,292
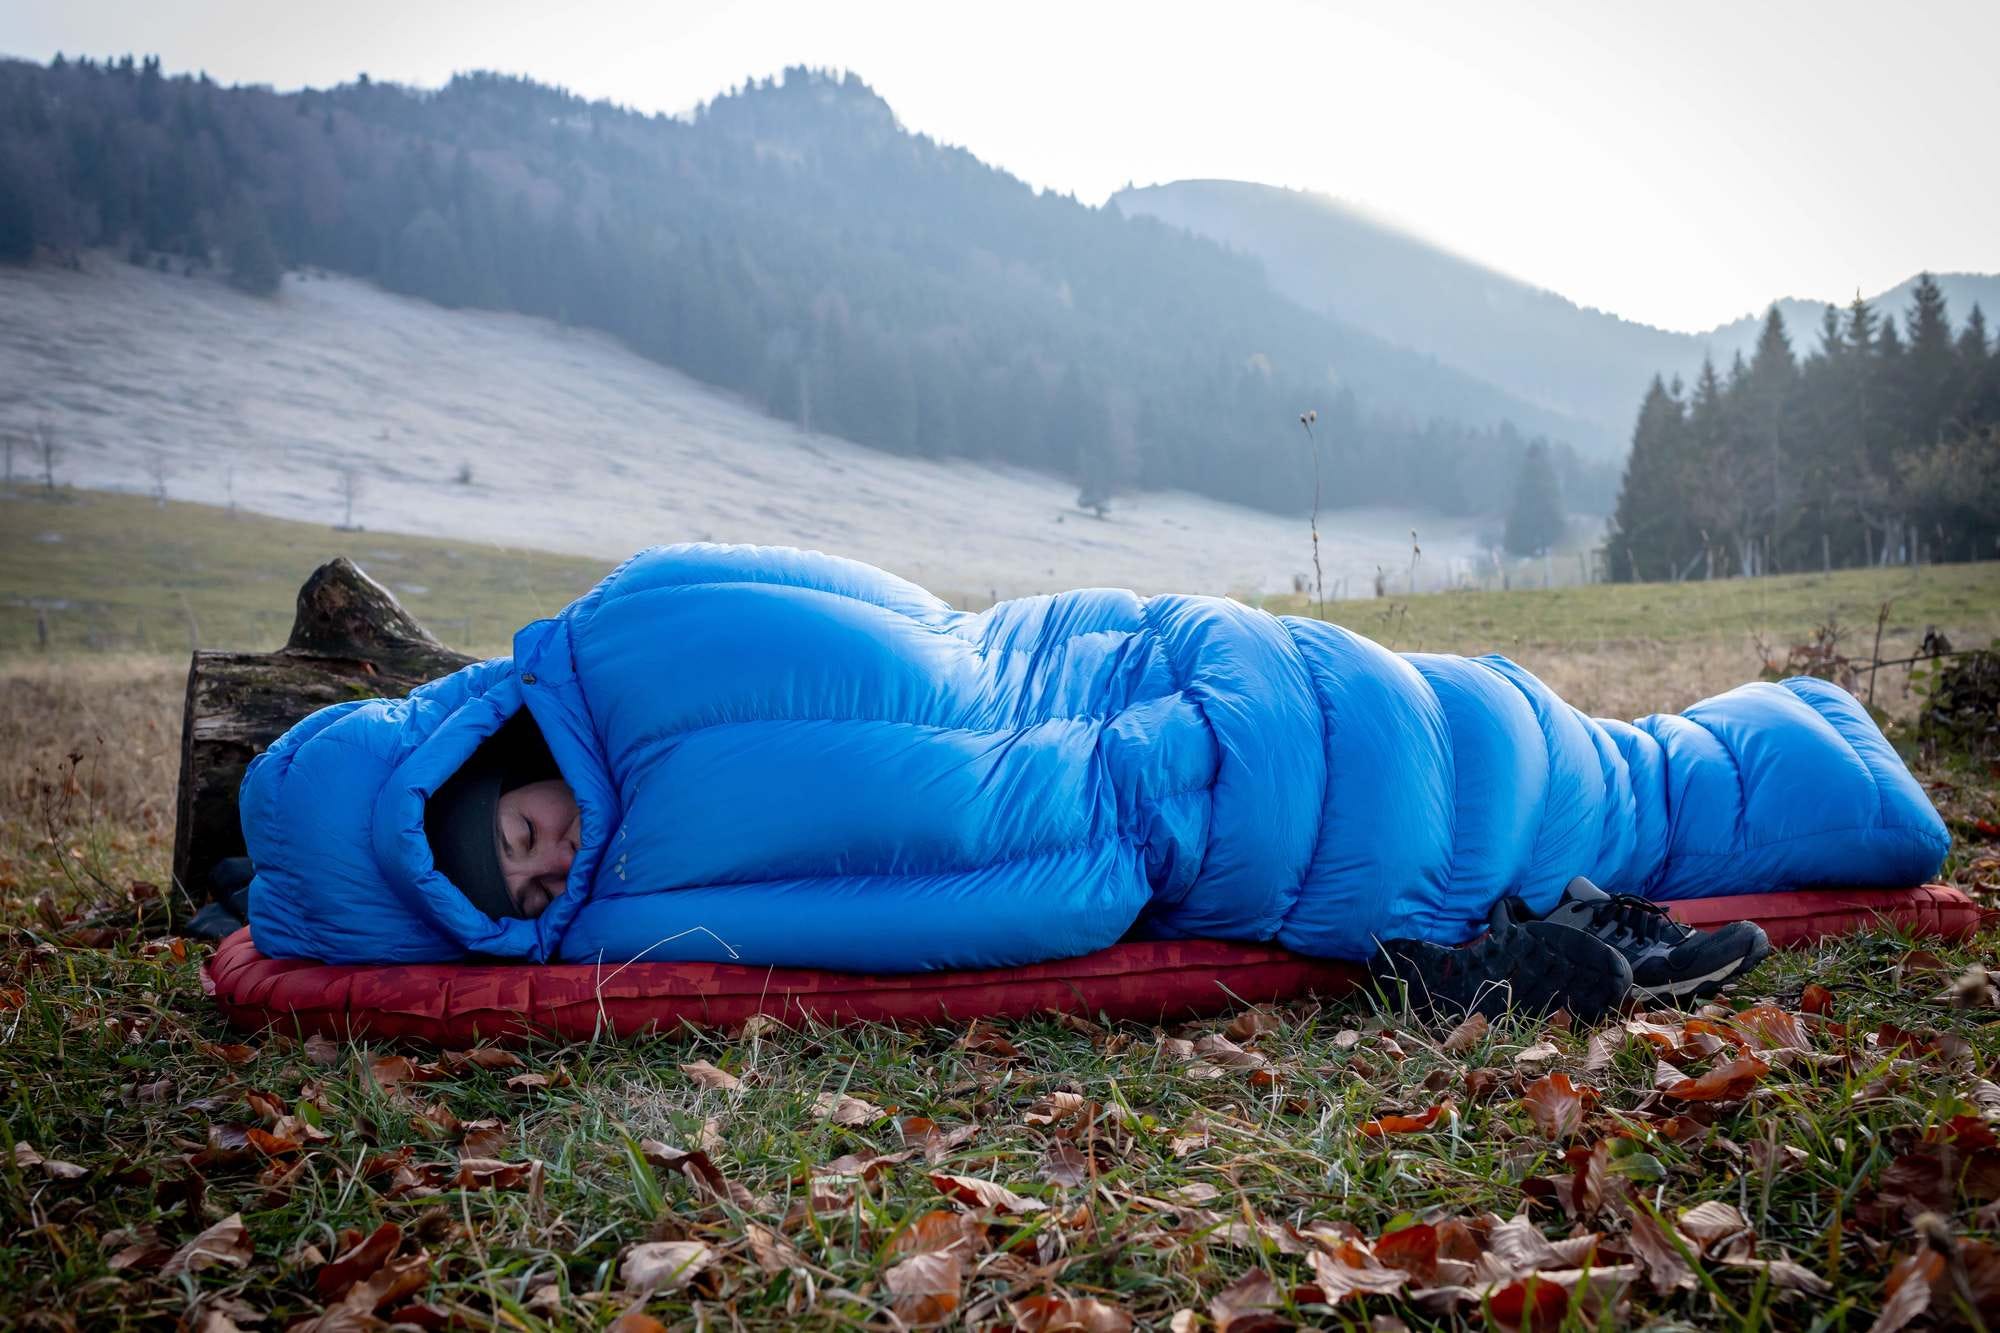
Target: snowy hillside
x,y
573,444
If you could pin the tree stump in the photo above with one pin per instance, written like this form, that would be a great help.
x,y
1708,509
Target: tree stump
x,y
351,639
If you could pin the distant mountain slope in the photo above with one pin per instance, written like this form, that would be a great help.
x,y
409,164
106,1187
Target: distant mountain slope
x,y
571,443
791,243
1336,258
1962,291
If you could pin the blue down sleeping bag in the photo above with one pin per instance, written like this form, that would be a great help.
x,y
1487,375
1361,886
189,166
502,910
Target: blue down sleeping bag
x,y
784,757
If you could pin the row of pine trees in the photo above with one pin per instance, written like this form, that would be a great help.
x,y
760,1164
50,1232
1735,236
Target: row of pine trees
x,y
1880,445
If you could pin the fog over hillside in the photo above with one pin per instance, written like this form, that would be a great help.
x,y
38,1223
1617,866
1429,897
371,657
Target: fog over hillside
x,y
574,444
791,243
1343,261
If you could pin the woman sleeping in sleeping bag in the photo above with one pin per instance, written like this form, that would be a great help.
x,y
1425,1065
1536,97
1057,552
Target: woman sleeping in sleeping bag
x,y
765,755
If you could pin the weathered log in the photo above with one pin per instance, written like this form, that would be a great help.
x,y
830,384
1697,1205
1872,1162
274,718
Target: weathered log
x,y
351,639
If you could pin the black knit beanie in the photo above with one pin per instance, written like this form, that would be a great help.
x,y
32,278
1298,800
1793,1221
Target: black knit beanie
x,y
461,817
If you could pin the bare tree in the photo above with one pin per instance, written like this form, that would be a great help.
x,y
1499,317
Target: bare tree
x,y
46,446
10,460
156,467
350,491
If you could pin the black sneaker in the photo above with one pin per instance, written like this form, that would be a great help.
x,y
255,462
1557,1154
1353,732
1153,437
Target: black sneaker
x,y
1531,968
1670,961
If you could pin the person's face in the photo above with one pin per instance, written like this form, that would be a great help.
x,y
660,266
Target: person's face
x,y
538,826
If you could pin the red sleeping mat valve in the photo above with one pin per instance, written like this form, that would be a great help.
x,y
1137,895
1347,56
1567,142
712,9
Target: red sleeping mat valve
x,y
458,1004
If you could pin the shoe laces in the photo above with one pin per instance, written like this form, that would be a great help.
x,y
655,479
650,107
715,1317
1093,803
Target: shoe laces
x,y
1643,918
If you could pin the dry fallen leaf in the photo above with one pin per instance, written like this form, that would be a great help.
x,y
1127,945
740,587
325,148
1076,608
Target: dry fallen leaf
x,y
535,1082
707,1075
633,1321
926,1286
1064,1165
1247,1305
1539,1053
865,1166
1068,1314
1407,1124
771,1251
1349,1270
663,1264
1467,1035
1712,1223
1054,1108
1817,999
234,1053
936,1141
939,1229
1217,1049
1765,1027
357,1262
224,1245
1251,1023
842,1109
1663,1262
481,1057
1556,1106
1730,1082
984,1194
25,1157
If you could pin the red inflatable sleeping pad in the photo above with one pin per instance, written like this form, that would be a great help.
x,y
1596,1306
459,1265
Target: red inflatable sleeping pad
x,y
457,1004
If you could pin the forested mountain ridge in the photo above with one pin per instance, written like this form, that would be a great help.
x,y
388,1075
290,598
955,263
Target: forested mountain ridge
x,y
1527,340
790,242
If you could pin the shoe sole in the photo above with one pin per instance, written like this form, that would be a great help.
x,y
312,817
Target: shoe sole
x,y
1531,968
1701,987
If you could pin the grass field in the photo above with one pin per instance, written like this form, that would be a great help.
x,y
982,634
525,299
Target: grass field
x,y
1818,1153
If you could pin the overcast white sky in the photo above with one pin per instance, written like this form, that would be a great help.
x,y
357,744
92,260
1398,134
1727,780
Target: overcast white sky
x,y
1680,164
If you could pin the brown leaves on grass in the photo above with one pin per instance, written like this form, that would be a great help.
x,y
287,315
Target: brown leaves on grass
x,y
977,1193
392,1070
1959,1279
538,1082
926,1286
1467,1035
934,1140
27,1159
357,1261
1251,1024
1556,1106
224,1245
1250,1304
702,1172
706,1075
1068,1314
1054,1108
663,1265
1407,1124
842,1109
1729,1082
939,1229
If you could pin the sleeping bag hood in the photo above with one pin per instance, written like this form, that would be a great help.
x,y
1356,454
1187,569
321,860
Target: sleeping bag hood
x,y
789,758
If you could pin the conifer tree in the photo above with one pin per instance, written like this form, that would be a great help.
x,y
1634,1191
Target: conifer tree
x,y
1650,537
1536,521
1972,344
